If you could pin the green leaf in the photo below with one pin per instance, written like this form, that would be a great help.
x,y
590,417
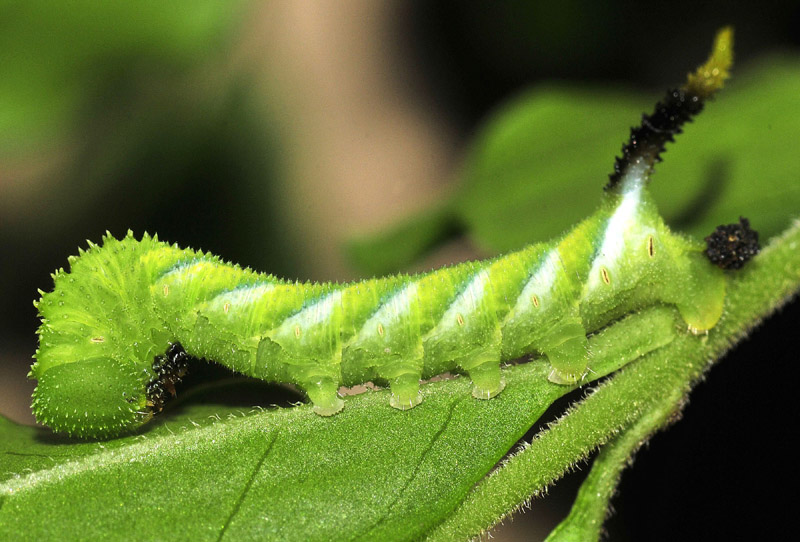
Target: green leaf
x,y
394,248
554,141
49,72
283,474
370,472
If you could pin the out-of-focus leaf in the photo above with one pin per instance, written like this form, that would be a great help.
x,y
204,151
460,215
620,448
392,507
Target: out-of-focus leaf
x,y
539,164
55,57
395,248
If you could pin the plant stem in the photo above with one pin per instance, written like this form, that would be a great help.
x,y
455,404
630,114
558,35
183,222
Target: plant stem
x,y
764,285
585,520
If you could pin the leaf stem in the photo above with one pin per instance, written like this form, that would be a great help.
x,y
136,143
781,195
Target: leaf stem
x,y
585,520
768,282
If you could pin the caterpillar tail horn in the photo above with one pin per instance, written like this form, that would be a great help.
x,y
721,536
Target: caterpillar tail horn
x,y
647,141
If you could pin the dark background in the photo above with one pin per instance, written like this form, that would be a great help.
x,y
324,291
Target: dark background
x,y
181,122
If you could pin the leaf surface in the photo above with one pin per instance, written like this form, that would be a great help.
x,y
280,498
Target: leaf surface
x,y
281,474
370,472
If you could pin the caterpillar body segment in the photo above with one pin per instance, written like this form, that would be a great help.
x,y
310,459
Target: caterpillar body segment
x,y
107,324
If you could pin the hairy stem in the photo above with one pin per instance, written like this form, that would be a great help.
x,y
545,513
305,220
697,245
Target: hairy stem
x,y
753,293
585,521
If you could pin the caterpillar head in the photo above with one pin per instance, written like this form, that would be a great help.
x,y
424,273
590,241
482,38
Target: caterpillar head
x,y
97,342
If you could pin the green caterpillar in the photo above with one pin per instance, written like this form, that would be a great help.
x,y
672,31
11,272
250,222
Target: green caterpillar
x,y
117,329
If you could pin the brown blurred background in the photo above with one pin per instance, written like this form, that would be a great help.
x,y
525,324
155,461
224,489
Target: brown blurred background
x,y
268,132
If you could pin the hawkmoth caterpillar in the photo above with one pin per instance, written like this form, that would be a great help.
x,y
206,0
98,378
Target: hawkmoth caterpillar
x,y
117,328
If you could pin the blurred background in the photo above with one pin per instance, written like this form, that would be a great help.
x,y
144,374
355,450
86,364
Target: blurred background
x,y
271,132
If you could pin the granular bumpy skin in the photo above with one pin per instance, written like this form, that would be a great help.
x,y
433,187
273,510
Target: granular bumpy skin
x,y
732,245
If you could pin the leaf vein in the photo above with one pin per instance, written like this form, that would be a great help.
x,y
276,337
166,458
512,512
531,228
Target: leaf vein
x,y
247,486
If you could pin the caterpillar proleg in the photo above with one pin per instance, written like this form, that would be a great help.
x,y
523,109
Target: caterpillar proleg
x,y
117,328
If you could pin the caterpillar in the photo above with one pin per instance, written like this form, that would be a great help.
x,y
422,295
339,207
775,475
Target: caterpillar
x,y
118,328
